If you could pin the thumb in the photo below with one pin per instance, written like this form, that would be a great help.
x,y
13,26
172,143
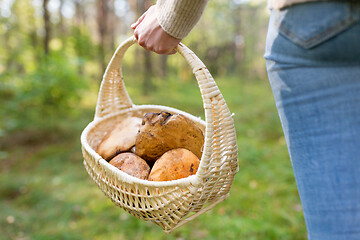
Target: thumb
x,y
135,24
172,52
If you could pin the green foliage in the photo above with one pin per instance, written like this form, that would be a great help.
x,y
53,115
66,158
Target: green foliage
x,y
37,99
82,45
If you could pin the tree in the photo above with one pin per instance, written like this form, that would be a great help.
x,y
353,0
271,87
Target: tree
x,y
47,27
148,74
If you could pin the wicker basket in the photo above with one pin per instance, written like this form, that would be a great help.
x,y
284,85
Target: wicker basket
x,y
169,204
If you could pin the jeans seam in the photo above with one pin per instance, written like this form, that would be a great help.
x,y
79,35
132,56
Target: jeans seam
x,y
339,27
351,18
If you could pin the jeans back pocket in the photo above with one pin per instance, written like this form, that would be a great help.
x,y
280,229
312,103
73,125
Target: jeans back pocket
x,y
311,24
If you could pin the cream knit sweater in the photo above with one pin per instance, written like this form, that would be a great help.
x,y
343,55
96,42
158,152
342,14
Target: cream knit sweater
x,y
178,17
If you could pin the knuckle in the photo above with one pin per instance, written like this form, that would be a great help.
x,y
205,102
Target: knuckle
x,y
136,34
142,42
161,51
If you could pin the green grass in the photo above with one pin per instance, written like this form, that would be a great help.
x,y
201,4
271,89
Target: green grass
x,y
45,192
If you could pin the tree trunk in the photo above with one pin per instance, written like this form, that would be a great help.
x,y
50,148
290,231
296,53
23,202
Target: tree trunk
x,y
62,29
148,70
6,37
78,31
163,65
46,27
112,26
148,74
102,21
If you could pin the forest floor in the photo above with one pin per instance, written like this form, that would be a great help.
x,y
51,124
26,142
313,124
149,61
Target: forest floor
x,y
46,193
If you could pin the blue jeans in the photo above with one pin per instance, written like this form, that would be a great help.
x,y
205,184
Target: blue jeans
x,y
313,63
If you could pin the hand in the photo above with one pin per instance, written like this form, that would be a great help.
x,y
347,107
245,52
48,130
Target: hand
x,y
151,36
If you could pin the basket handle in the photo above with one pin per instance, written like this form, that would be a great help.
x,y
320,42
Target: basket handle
x,y
220,145
113,96
220,137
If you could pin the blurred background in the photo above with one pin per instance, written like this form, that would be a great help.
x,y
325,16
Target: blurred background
x,y
52,57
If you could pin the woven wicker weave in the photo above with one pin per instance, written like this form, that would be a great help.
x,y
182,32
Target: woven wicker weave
x,y
169,204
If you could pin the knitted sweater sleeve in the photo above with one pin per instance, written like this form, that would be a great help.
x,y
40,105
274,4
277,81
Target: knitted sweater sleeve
x,y
178,17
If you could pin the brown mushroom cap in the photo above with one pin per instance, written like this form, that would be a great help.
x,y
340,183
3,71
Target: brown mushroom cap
x,y
120,139
161,132
174,164
131,164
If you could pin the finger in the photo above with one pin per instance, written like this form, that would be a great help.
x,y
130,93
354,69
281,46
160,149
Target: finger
x,y
141,41
134,25
172,52
136,34
149,48
164,51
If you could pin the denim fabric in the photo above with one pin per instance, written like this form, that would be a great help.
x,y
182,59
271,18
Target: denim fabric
x,y
313,63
